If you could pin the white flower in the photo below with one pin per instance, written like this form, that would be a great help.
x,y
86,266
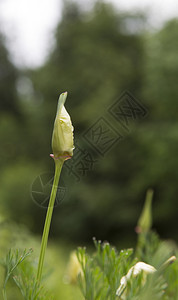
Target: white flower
x,y
133,272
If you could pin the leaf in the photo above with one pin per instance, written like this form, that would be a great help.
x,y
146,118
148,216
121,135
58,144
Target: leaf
x,y
13,259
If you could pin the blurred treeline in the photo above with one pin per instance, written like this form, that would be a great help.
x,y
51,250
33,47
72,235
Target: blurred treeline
x,y
96,56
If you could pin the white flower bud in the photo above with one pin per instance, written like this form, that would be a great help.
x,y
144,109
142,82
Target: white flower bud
x,y
62,139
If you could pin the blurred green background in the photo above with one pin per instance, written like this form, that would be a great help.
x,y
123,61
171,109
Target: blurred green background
x,y
97,55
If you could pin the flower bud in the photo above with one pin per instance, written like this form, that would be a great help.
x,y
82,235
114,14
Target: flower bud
x,y
145,221
62,139
74,269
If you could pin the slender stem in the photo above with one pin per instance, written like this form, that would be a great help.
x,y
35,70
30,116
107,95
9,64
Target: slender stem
x,y
4,294
58,167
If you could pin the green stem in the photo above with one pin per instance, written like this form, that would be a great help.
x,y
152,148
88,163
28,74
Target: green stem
x,y
58,167
4,294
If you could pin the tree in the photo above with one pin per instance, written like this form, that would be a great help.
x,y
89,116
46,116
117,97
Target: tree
x,y
8,77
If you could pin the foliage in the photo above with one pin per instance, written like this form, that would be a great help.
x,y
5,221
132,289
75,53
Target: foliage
x,y
103,270
99,274
8,77
29,287
12,261
128,274
22,282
